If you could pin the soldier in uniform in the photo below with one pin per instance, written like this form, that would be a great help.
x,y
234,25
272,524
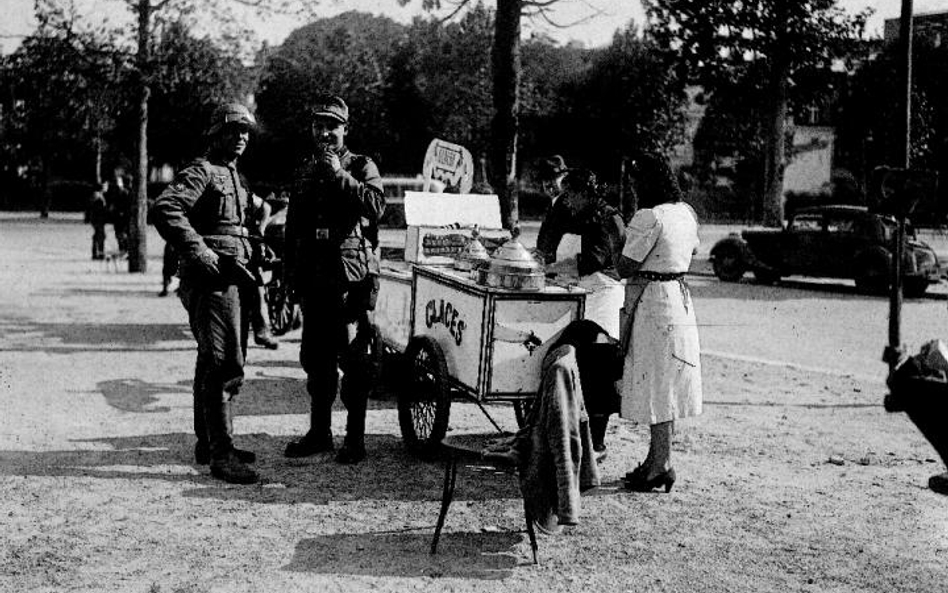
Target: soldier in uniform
x,y
331,238
204,215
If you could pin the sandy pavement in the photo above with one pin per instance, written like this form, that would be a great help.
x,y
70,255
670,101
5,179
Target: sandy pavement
x,y
790,480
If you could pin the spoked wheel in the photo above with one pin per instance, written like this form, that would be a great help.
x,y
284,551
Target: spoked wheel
x,y
424,401
284,314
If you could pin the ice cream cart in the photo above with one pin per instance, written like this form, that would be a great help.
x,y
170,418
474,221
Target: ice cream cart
x,y
460,336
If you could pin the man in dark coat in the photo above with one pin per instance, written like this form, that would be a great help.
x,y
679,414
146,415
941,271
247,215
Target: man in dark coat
x,y
331,239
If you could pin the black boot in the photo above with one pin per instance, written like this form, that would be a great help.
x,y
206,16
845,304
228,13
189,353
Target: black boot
x,y
232,470
319,437
202,454
225,464
265,338
355,397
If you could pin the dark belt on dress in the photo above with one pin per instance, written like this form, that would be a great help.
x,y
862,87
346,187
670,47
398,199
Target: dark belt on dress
x,y
659,276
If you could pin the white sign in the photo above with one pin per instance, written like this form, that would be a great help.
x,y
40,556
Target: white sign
x,y
451,164
429,209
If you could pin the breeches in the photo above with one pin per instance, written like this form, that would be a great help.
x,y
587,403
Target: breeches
x,y
336,336
219,325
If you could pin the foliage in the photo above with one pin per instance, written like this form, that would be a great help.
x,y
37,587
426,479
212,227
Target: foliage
x,y
189,78
626,100
346,55
60,94
439,86
760,46
869,134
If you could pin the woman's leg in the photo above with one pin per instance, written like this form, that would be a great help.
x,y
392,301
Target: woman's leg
x,y
659,452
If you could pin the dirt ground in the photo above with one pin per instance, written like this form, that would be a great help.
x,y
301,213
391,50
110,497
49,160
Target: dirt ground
x,y
790,480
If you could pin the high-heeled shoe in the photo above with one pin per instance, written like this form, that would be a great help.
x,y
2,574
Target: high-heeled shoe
x,y
637,481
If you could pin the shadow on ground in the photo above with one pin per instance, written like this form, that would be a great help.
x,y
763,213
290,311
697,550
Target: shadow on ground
x,y
261,395
58,338
485,556
389,472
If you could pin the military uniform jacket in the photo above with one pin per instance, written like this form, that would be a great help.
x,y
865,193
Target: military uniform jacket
x,y
332,222
206,206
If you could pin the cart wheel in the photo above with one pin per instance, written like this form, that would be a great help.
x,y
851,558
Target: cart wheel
x,y
283,313
424,401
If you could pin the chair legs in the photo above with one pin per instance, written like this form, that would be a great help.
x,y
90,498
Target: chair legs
x,y
447,495
530,532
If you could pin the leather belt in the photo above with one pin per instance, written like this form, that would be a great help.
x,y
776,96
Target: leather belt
x,y
659,276
229,230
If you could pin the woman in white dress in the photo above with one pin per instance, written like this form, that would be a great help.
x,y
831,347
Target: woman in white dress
x,y
661,379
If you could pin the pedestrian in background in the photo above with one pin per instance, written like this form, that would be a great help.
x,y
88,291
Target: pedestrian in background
x,y
97,215
661,379
204,214
119,204
331,239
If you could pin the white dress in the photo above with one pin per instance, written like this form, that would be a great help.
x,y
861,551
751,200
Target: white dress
x,y
661,379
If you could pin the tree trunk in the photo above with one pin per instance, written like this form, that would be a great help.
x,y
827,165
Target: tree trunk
x,y
505,60
775,144
138,226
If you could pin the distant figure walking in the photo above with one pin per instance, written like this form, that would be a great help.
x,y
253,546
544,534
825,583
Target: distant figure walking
x,y
97,215
119,207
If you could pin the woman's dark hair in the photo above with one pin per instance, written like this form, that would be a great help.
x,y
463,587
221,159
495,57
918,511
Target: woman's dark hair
x,y
580,180
655,182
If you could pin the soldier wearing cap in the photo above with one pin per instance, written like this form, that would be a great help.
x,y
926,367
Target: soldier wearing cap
x,y
204,215
331,238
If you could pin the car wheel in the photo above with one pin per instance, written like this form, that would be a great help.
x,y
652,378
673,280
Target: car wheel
x,y
767,276
729,264
873,275
914,287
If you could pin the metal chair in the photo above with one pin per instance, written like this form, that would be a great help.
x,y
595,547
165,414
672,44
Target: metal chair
x,y
459,451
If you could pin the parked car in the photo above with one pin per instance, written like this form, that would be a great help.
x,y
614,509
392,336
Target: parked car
x,y
828,241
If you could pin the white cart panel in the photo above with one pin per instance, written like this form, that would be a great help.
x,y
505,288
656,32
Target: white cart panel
x,y
455,318
514,368
392,314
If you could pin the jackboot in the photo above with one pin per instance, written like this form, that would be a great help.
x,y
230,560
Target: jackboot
x,y
319,437
355,397
224,462
202,451
597,430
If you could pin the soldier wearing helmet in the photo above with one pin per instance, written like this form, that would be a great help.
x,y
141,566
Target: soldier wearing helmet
x,y
331,237
204,214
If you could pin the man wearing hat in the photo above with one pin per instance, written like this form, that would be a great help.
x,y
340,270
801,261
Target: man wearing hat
x,y
204,215
331,236
552,170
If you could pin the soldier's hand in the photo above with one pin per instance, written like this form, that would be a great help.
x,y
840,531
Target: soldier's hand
x,y
210,261
330,159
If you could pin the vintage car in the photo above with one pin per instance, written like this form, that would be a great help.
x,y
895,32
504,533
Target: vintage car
x,y
831,241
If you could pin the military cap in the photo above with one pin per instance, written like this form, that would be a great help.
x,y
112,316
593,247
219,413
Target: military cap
x,y
332,107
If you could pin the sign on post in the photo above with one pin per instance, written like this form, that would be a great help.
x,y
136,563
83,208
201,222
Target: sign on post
x,y
450,164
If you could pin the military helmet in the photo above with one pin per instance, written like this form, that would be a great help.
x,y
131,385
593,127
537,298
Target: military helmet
x,y
230,113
